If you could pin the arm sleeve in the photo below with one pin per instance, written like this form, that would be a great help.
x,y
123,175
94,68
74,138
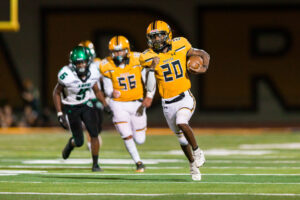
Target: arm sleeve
x,y
108,86
150,84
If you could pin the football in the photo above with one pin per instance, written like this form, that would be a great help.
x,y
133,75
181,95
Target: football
x,y
194,62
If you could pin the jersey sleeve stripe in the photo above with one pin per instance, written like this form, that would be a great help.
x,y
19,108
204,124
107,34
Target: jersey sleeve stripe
x,y
179,49
119,122
108,71
148,59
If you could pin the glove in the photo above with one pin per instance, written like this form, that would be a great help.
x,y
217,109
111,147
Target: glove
x,y
108,111
140,111
62,120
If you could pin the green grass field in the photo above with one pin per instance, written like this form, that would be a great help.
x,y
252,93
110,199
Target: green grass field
x,y
257,166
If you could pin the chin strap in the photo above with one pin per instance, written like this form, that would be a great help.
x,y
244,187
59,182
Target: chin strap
x,y
118,61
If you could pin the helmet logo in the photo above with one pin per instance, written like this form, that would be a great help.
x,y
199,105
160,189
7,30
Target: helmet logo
x,y
118,47
154,31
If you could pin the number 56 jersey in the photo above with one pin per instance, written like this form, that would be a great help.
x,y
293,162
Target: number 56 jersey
x,y
170,73
77,91
127,80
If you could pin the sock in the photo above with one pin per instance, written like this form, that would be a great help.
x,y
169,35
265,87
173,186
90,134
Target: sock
x,y
194,149
95,160
131,148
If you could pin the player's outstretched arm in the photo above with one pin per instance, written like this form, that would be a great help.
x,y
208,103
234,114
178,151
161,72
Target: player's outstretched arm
x,y
150,88
56,97
99,94
203,54
108,86
57,103
154,63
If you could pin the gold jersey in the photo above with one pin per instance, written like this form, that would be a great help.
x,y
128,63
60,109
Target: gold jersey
x,y
127,80
171,73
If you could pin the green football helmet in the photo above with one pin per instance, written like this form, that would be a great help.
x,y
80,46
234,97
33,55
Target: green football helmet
x,y
79,55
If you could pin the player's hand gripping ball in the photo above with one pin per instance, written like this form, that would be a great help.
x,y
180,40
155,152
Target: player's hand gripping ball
x,y
194,63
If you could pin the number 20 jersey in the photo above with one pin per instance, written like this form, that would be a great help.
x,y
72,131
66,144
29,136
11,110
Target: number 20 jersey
x,y
170,73
77,91
127,80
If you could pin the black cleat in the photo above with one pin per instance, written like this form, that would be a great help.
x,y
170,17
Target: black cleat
x,y
96,168
140,167
67,150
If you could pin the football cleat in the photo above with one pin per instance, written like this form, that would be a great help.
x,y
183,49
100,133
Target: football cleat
x,y
96,168
67,150
140,167
195,172
199,157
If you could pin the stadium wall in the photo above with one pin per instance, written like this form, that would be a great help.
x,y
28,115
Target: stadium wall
x,y
252,80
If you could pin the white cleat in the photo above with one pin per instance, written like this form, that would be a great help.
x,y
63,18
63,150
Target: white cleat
x,y
195,172
199,157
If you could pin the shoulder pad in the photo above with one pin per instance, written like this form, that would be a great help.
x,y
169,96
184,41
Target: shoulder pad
x,y
146,51
94,66
106,66
97,60
65,74
104,61
136,54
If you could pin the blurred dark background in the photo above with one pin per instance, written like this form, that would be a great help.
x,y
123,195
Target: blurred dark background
x,y
253,79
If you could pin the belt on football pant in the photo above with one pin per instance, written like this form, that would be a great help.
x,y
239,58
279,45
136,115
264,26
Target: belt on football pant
x,y
139,100
178,98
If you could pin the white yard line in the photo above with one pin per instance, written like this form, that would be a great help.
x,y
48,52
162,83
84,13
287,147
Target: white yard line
x,y
284,167
271,146
79,167
135,174
168,174
162,194
252,161
129,167
139,182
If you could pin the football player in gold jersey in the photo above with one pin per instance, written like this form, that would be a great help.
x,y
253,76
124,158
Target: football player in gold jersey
x,y
123,71
167,58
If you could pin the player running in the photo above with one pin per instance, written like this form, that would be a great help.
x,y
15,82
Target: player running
x,y
122,69
96,103
167,57
75,84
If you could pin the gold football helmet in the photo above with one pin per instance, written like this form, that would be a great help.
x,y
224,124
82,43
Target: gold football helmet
x,y
90,45
117,44
159,35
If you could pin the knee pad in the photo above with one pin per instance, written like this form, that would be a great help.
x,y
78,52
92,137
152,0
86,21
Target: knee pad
x,y
182,140
123,128
183,116
140,136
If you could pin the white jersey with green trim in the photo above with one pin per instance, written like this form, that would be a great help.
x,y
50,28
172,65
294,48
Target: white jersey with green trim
x,y
75,90
97,63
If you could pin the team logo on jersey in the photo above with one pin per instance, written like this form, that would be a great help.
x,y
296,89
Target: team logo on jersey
x,y
168,60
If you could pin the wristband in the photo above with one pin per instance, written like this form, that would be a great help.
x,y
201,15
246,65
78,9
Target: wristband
x,y
59,114
150,94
